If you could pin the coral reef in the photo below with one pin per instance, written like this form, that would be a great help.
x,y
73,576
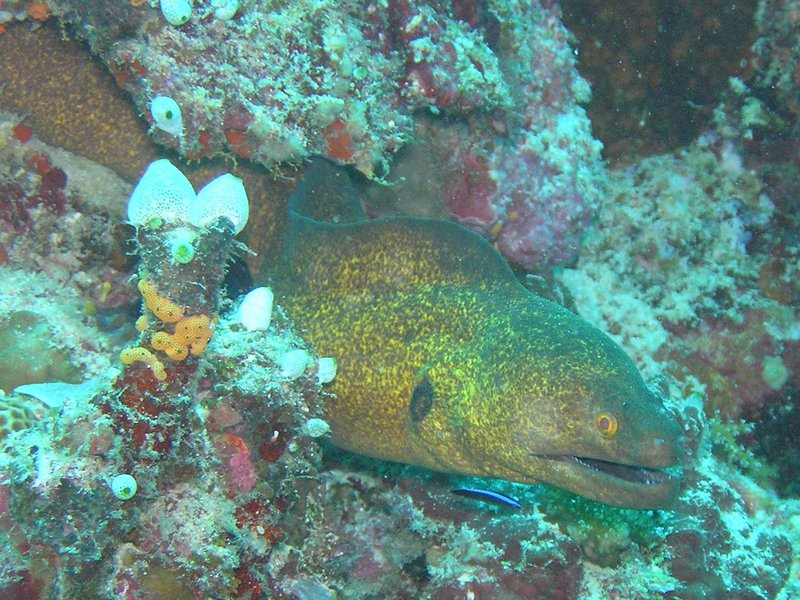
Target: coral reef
x,y
692,264
26,341
528,174
353,81
674,270
234,498
51,76
777,52
184,437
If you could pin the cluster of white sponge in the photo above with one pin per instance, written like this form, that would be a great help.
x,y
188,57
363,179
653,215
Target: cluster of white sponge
x,y
163,193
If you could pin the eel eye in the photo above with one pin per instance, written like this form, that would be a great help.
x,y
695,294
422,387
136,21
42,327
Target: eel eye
x,y
606,424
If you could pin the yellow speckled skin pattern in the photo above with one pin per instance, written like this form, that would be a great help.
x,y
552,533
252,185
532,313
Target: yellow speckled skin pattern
x,y
447,362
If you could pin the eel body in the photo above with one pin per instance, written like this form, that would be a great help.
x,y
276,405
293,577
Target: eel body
x,y
447,362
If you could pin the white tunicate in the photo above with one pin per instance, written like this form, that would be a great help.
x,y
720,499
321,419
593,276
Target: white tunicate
x,y
225,9
176,12
293,364
225,196
316,428
255,312
167,115
163,193
326,369
123,486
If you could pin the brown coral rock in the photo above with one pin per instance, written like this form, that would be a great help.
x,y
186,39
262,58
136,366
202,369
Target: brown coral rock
x,y
70,101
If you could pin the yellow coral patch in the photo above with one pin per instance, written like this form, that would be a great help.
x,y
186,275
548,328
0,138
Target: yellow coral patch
x,y
161,341
138,354
158,370
142,323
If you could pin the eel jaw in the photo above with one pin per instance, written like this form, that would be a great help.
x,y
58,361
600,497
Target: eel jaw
x,y
616,484
634,474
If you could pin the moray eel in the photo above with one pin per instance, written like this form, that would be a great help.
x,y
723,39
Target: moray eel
x,y
445,361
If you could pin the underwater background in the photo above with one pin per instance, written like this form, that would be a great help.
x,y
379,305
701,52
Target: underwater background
x,y
634,162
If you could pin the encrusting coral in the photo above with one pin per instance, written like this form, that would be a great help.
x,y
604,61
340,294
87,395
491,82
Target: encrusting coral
x,y
81,109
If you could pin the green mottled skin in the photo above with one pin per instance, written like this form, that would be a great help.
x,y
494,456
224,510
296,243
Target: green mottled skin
x,y
517,380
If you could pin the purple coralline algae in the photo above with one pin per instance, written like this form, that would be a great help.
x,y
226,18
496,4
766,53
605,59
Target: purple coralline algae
x,y
523,171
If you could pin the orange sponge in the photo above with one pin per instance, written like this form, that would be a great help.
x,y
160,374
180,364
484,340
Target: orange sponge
x,y
166,342
139,354
191,333
194,331
163,308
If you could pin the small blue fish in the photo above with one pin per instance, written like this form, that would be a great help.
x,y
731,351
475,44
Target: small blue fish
x,y
487,496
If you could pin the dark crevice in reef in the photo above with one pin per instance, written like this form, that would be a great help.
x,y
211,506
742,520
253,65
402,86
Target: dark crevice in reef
x,y
657,69
775,436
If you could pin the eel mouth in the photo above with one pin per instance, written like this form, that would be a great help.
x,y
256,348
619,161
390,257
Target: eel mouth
x,y
634,474
616,484
629,473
